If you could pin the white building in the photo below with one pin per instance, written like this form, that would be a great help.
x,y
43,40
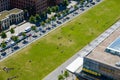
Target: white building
x,y
10,17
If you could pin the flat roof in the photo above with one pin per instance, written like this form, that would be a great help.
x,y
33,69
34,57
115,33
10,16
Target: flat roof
x,y
99,54
5,13
75,65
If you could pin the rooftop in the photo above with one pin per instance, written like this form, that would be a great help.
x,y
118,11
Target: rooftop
x,y
99,54
5,13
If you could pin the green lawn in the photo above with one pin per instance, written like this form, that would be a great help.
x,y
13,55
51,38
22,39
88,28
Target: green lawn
x,y
52,50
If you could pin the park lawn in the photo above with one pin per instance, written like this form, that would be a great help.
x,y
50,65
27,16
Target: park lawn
x,y
51,51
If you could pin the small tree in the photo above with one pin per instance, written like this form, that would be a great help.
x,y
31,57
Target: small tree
x,y
3,44
12,31
14,38
47,20
75,7
38,18
49,10
65,2
67,11
81,2
43,23
60,77
58,15
3,35
64,13
32,19
57,8
33,28
23,34
53,18
66,74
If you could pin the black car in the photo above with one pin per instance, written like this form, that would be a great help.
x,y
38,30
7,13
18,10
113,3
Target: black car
x,y
3,53
58,22
93,3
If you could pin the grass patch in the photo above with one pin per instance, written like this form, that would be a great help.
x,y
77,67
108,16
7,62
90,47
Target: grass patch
x,y
40,58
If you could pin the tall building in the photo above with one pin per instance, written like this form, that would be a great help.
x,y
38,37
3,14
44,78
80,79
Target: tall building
x,y
54,2
104,61
33,6
4,5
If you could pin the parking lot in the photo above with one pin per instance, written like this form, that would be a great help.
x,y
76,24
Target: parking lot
x,y
18,29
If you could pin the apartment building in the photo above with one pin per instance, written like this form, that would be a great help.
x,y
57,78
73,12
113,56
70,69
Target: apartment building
x,y
10,17
4,5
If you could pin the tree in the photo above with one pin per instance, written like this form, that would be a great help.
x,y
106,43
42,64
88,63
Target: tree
x,y
38,18
43,15
49,10
66,74
12,31
60,77
14,38
47,20
65,2
75,7
53,18
57,8
58,15
64,13
81,2
53,9
3,44
43,23
33,28
67,11
3,35
23,34
32,19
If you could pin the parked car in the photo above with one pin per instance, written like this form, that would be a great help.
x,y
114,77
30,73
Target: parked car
x,y
58,22
3,53
28,29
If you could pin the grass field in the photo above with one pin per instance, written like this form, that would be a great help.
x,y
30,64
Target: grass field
x,y
52,50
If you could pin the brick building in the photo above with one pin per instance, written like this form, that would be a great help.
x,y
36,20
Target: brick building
x,y
54,2
33,6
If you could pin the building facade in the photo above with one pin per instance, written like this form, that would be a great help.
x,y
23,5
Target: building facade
x,y
4,5
10,17
101,70
33,6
